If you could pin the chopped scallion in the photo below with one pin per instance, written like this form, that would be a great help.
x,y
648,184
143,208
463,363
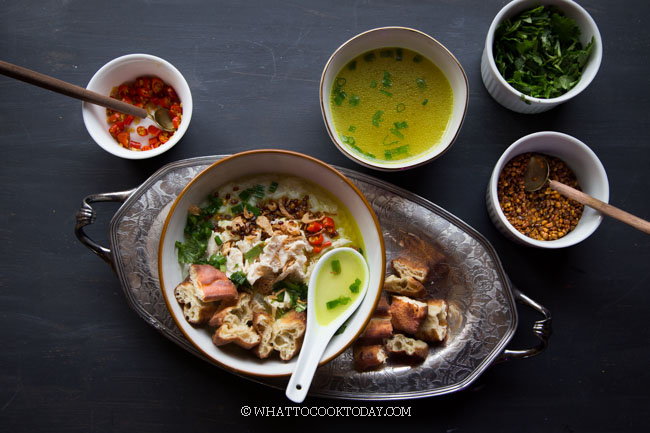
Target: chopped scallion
x,y
239,208
354,287
386,82
341,300
253,252
353,65
336,267
369,57
386,93
396,133
376,118
354,100
386,53
401,125
425,101
417,58
352,128
273,186
400,107
421,83
398,54
218,240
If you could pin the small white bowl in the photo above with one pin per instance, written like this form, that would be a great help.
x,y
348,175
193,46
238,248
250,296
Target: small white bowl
x,y
513,99
400,37
261,162
588,169
126,69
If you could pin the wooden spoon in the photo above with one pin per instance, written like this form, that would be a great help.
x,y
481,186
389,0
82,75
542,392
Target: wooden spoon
x,y
160,117
536,177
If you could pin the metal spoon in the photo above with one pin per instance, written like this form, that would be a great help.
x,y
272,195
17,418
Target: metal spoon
x,y
537,176
161,116
318,336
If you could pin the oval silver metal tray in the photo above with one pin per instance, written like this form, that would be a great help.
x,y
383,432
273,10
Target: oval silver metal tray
x,y
468,274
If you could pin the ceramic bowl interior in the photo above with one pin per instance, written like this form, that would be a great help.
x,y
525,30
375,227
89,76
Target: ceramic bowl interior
x,y
588,169
511,97
403,38
127,69
259,162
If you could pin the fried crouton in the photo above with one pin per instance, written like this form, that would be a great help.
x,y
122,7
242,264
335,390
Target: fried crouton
x,y
288,331
409,349
407,314
263,325
434,327
377,329
211,284
196,312
367,357
406,286
411,267
233,325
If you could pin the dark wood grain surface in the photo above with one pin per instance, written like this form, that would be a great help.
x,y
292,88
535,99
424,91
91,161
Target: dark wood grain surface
x,y
74,357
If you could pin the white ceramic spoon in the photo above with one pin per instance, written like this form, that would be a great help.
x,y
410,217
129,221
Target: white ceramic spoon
x,y
317,336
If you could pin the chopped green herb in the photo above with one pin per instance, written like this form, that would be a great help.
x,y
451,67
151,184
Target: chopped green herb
x,y
190,251
425,101
245,194
280,296
253,209
341,300
218,240
386,53
386,82
273,187
354,287
369,57
254,252
237,209
300,307
347,140
401,125
239,279
398,54
341,329
389,143
539,53
397,151
396,133
341,82
376,118
400,107
216,260
386,93
352,128
223,268
417,58
354,100
369,155
421,83
353,65
373,84
336,267
339,97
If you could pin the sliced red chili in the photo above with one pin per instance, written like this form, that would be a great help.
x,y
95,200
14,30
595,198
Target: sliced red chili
x,y
314,227
316,239
175,110
157,85
124,138
142,131
176,122
123,91
153,141
116,117
154,131
144,93
128,119
116,128
135,144
169,91
146,147
328,222
164,137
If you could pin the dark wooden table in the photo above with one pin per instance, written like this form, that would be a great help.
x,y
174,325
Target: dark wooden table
x,y
74,357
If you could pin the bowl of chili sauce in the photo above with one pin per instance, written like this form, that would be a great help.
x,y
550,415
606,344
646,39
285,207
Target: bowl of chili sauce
x,y
148,82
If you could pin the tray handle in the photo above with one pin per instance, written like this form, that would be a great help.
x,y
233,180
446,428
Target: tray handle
x,y
86,216
542,330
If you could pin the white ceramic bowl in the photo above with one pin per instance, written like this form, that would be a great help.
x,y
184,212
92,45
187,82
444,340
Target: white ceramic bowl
x,y
124,69
511,98
584,163
258,162
414,40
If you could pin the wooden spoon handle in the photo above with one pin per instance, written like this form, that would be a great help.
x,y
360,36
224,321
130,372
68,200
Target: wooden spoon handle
x,y
56,85
601,206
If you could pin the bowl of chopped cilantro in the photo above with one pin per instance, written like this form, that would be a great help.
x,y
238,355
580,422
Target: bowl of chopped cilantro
x,y
539,54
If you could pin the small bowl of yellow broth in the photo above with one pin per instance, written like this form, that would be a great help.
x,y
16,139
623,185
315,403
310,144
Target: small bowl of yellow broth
x,y
393,98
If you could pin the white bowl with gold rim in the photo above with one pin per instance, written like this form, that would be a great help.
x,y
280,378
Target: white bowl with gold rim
x,y
262,162
414,40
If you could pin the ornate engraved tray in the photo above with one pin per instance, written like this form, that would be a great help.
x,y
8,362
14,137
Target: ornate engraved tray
x,y
483,315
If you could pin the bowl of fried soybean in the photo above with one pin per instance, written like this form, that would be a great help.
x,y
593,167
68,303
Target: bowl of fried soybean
x,y
539,54
393,98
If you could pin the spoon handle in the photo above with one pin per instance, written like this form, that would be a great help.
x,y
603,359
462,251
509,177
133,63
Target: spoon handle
x,y
302,376
56,85
601,206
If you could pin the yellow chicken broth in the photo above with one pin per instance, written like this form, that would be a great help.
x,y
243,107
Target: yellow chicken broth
x,y
387,109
